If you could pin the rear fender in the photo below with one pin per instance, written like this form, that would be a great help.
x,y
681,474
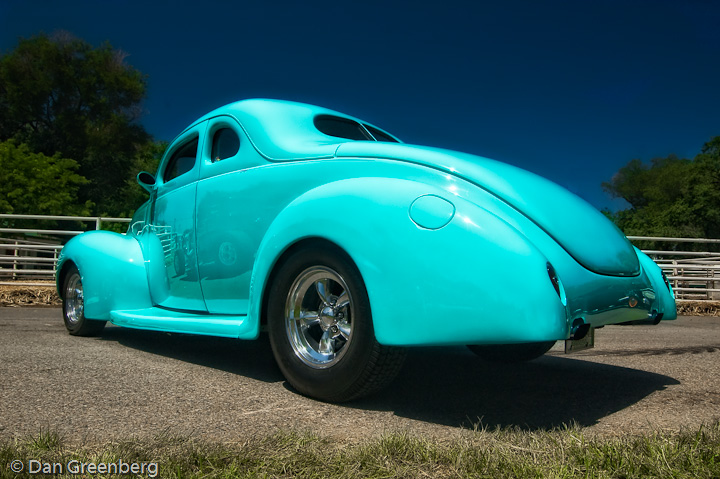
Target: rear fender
x,y
469,281
664,292
112,269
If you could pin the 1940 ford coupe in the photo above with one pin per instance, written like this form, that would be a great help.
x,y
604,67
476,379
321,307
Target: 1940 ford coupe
x,y
348,246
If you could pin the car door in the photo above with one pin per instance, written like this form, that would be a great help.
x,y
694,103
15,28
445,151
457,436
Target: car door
x,y
169,244
229,217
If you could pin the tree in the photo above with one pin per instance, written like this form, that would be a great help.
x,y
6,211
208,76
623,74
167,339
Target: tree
x,y
670,196
58,94
147,159
33,183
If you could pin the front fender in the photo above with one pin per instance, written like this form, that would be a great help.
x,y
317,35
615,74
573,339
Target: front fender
x,y
470,281
112,269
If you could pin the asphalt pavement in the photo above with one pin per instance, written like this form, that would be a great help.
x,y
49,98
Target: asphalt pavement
x,y
131,383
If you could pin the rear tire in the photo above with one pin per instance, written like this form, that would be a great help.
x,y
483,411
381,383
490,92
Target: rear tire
x,y
512,353
74,307
321,328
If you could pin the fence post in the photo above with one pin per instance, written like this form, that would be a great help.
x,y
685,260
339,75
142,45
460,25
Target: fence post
x,y
97,223
14,275
55,257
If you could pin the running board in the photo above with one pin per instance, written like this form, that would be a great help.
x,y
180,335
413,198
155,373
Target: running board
x,y
157,319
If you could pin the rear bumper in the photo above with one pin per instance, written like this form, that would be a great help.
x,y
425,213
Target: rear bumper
x,y
646,297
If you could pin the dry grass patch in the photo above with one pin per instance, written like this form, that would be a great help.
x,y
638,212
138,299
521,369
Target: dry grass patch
x,y
17,295
560,453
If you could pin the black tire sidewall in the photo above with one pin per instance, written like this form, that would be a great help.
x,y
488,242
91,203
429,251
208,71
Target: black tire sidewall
x,y
337,381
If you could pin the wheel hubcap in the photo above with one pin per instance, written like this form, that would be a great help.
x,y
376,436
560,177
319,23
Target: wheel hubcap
x,y
74,304
318,317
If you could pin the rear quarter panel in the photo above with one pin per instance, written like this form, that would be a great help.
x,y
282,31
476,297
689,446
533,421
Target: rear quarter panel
x,y
470,281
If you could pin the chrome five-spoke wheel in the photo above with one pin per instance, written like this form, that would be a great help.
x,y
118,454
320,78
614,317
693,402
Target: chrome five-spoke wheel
x,y
318,317
321,328
74,304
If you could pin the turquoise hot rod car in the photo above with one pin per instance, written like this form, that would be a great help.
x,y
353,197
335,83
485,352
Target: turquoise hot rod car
x,y
348,246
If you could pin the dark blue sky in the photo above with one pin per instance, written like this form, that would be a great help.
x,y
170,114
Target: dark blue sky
x,y
571,90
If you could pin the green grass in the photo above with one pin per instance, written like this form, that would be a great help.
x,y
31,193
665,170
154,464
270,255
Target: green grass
x,y
562,453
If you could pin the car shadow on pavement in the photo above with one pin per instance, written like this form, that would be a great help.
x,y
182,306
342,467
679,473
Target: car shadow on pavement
x,y
442,385
453,387
252,359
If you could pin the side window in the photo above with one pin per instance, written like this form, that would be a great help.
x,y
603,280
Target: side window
x,y
225,143
182,161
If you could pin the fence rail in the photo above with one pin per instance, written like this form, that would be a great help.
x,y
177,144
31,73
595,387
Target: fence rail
x,y
28,256
97,219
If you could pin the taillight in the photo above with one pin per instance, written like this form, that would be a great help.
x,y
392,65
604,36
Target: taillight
x,y
556,283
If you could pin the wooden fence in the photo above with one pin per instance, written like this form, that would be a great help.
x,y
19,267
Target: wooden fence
x,y
28,255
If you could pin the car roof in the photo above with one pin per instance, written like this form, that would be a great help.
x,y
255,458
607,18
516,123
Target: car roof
x,y
284,130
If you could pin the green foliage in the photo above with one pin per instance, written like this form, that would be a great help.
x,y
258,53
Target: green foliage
x,y
33,183
58,94
147,159
670,196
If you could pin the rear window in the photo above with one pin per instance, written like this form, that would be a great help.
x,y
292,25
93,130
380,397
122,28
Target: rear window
x,y
225,144
380,135
340,127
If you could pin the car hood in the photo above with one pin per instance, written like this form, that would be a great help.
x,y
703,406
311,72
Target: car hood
x,y
585,233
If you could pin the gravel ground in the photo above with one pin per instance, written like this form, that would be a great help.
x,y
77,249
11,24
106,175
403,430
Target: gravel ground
x,y
131,383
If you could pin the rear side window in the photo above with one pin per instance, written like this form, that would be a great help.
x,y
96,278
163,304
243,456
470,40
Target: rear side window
x,y
182,161
340,127
225,144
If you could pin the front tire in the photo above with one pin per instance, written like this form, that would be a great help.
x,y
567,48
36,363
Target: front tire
x,y
74,307
321,329
512,353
